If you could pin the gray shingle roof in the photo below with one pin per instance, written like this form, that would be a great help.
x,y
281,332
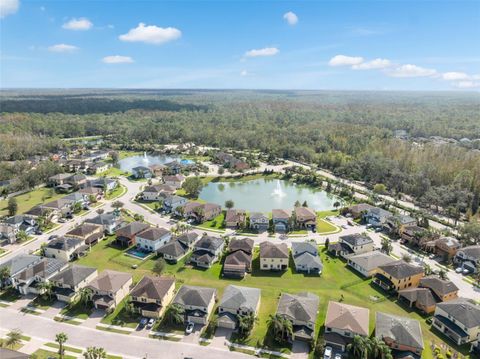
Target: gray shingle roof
x,y
308,260
20,262
131,229
371,260
357,239
439,286
153,287
64,243
153,233
302,247
403,330
401,269
173,248
110,281
236,297
463,311
193,295
472,251
210,243
302,307
73,275
44,269
272,250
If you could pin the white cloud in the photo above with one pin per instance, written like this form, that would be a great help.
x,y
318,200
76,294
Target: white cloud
x,y
291,18
476,77
151,34
410,70
8,7
117,59
243,73
454,76
467,84
80,24
63,48
373,64
342,60
266,51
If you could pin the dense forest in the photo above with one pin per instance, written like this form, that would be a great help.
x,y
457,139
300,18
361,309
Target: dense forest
x,y
350,133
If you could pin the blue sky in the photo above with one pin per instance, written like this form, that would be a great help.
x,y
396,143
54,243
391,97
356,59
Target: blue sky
x,y
376,45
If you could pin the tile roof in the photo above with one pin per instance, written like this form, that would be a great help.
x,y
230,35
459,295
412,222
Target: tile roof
x,y
347,317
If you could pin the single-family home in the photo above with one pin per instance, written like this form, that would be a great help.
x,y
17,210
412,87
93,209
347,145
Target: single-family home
x,y
377,217
398,275
175,181
89,233
273,256
367,263
280,220
109,221
107,184
68,282
259,221
58,208
8,232
109,288
173,202
59,179
141,172
305,218
414,235
343,322
156,192
431,291
198,303
78,180
235,218
157,169
29,280
151,239
359,210
306,259
239,259
301,310
458,319
351,244
468,258
395,223
237,301
447,247
178,247
126,234
65,248
210,211
98,167
18,264
151,295
90,192
401,334
207,251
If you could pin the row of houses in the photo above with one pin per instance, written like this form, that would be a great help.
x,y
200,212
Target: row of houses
x,y
91,162
169,172
228,160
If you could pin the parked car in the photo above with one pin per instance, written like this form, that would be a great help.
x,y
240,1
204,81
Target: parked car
x,y
189,328
143,322
52,237
466,271
338,356
328,353
344,226
459,270
431,256
62,220
150,323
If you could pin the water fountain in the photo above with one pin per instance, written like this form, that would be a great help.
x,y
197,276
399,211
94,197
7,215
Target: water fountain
x,y
145,158
278,192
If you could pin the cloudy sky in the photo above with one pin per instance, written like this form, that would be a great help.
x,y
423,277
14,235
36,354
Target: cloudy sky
x,y
377,45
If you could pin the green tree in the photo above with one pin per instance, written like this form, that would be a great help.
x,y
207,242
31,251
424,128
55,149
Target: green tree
x,y
245,323
95,353
386,245
14,338
159,266
46,288
12,206
380,188
442,274
85,295
117,204
61,339
358,347
4,275
281,327
175,314
22,236
229,204
304,204
406,257
192,186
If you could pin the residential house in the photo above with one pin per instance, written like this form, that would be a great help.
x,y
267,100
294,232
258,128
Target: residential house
x,y
351,244
273,256
59,179
151,295
377,217
175,181
90,192
156,192
198,303
77,180
359,210
395,223
237,301
30,279
172,202
301,310
22,222
458,319
447,247
18,264
200,212
98,167
414,235
235,218
68,282
343,322
107,184
239,259
280,220
126,234
8,232
157,169
398,275
401,334
207,251
58,208
141,172
468,258
306,259
210,211
431,291
178,247
367,263
109,221
65,248
151,239
109,289
76,199
259,221
305,218
89,233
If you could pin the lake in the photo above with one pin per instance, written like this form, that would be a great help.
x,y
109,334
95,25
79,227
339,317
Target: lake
x,y
128,163
263,195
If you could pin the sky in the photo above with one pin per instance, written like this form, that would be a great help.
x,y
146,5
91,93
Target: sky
x,y
226,44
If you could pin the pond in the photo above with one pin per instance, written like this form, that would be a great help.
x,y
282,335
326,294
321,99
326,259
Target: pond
x,y
263,195
128,163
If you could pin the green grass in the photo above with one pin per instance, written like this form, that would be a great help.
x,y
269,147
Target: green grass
x,y
121,317
117,192
113,330
9,295
30,199
46,354
3,252
42,302
76,310
113,172
67,348
240,178
216,223
124,154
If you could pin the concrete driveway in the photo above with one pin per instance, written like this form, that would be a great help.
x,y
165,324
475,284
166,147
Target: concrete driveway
x,y
94,319
221,334
299,350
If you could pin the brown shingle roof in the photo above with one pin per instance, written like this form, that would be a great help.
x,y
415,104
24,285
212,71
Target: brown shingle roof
x,y
153,233
401,269
110,281
243,244
280,214
347,317
153,287
131,229
84,230
271,250
439,286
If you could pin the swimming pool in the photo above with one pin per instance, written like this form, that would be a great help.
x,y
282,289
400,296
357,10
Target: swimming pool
x,y
136,253
186,162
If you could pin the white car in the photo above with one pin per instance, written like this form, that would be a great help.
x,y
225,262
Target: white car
x,y
328,353
465,271
338,356
459,270
150,323
431,256
189,328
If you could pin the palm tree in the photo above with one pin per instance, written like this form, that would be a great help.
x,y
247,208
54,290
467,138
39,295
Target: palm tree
x,y
22,236
61,338
245,323
442,274
95,353
357,347
85,295
4,275
175,314
386,245
375,346
46,288
282,327
14,338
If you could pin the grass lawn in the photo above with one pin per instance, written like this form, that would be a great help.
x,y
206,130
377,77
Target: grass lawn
x,y
77,310
121,317
31,199
117,192
46,354
216,223
42,302
9,295
66,347
3,251
124,154
241,178
336,282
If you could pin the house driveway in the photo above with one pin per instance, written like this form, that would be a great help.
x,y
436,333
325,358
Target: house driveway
x,y
299,350
22,302
221,334
193,337
94,319
54,310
